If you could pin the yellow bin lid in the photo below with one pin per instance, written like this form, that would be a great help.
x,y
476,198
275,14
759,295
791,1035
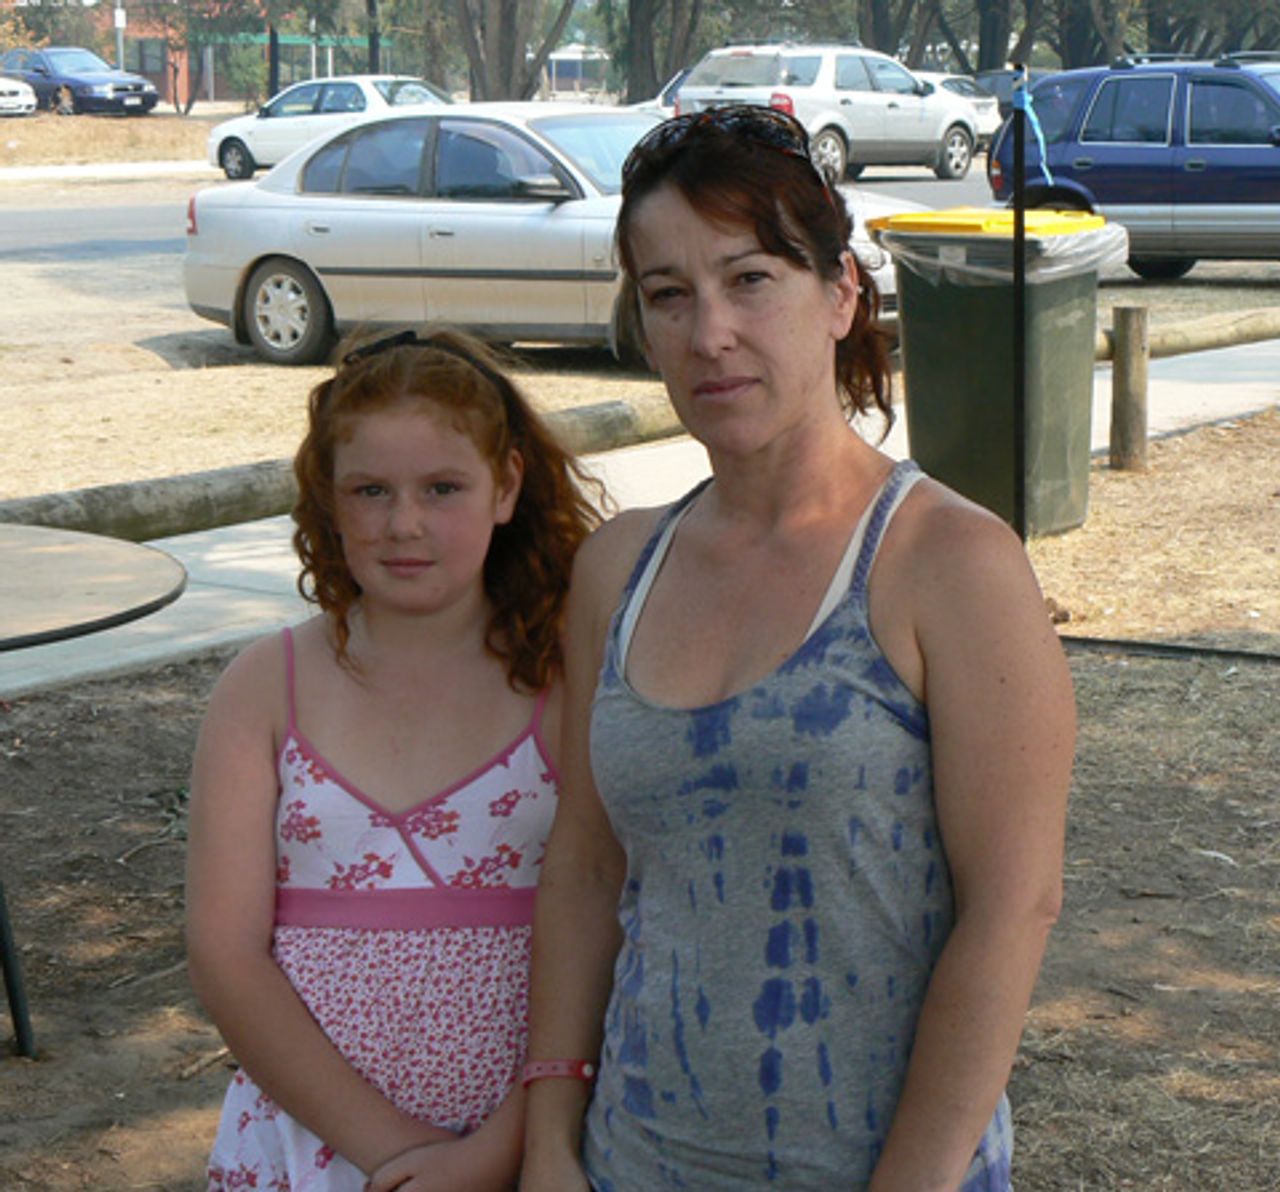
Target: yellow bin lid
x,y
988,221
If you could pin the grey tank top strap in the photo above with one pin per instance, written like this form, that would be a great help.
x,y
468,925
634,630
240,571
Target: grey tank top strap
x,y
850,578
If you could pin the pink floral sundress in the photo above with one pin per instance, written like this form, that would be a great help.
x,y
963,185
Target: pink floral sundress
x,y
407,936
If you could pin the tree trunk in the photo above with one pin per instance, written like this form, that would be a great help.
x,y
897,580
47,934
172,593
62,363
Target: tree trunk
x,y
375,36
994,27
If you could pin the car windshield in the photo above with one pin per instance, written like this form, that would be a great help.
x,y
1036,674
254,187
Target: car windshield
x,y
736,70
401,92
597,145
77,60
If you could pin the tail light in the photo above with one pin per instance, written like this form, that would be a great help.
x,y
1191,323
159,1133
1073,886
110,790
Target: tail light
x,y
781,101
192,230
995,173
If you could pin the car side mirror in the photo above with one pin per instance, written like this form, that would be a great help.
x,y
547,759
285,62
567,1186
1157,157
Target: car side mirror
x,y
923,87
542,186
38,69
1274,135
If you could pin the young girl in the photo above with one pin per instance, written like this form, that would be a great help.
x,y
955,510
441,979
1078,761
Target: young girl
x,y
372,790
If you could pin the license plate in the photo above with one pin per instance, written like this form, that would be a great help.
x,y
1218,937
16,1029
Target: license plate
x,y
131,101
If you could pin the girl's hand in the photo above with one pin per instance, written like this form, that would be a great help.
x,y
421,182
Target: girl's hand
x,y
553,1175
464,1165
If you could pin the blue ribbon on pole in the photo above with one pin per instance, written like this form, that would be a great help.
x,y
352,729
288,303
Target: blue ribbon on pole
x,y
1022,99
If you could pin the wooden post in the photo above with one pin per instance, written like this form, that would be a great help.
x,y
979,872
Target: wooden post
x,y
1129,388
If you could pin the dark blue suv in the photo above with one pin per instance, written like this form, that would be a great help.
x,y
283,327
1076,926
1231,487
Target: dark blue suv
x,y
1185,154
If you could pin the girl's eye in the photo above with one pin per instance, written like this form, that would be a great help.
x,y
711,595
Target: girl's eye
x,y
369,490
442,488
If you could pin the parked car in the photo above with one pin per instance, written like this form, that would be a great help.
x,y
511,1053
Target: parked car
x,y
16,97
1185,154
305,111
77,80
1000,84
861,107
494,217
664,103
986,107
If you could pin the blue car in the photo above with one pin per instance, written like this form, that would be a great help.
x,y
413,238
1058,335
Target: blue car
x,y
1185,154
71,79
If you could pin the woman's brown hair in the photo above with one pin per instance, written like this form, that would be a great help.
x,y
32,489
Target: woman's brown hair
x,y
742,165
526,572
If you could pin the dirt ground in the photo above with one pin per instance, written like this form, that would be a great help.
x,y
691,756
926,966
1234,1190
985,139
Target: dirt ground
x,y
1152,1053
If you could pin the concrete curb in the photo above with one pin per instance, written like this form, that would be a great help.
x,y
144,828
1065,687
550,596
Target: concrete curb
x,y
172,505
109,170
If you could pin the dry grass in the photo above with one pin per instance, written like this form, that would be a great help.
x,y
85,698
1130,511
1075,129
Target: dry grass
x,y
46,139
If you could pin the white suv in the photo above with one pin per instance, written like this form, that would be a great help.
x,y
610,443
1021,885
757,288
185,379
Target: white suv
x,y
861,107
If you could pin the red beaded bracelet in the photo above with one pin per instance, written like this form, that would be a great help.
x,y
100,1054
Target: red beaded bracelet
x,y
576,1069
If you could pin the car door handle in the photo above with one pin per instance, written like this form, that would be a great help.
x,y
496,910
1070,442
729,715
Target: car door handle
x,y
1195,165
440,233
317,229
893,104
1082,163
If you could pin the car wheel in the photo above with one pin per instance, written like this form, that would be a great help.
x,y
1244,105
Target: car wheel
x,y
287,314
235,159
957,153
829,155
1161,268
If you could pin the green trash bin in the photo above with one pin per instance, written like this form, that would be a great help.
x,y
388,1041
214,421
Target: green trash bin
x,y
955,314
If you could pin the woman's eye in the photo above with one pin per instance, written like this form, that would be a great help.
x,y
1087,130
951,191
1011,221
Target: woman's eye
x,y
662,294
752,277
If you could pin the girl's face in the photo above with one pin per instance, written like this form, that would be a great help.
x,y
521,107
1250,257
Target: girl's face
x,y
745,341
416,504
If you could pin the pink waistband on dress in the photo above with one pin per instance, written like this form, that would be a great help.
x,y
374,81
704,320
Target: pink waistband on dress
x,y
406,910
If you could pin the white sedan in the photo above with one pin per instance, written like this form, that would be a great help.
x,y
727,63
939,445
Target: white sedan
x,y
16,97
986,107
305,111
497,218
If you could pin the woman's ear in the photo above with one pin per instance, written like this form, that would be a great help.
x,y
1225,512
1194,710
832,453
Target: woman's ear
x,y
509,480
845,291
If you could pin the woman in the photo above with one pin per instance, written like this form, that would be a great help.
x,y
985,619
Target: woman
x,y
817,749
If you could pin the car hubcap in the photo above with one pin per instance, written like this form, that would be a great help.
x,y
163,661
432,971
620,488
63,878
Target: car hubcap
x,y
281,312
957,153
233,159
826,156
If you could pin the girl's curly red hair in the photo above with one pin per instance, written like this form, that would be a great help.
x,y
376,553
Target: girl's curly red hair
x,y
526,572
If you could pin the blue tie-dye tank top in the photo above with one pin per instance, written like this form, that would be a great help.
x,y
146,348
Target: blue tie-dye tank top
x,y
786,899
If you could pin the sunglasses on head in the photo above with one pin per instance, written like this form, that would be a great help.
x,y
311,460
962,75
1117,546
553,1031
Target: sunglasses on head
x,y
766,127
409,338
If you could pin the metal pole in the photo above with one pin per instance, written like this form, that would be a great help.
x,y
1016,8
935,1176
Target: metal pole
x,y
1020,308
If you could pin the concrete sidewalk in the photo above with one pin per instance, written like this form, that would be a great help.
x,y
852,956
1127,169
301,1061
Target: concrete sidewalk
x,y
241,578
109,171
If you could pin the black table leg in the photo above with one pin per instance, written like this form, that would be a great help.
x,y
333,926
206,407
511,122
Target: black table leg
x,y
13,984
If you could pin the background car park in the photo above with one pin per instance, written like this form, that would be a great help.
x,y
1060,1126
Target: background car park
x,y
16,97
1185,154
308,110
77,80
1000,84
860,107
986,107
494,217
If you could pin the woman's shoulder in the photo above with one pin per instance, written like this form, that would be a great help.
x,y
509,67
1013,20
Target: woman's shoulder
x,y
611,550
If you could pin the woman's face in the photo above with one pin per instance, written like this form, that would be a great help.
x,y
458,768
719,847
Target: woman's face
x,y
745,341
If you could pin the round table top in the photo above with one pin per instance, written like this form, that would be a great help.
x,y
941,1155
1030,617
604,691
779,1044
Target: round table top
x,y
56,584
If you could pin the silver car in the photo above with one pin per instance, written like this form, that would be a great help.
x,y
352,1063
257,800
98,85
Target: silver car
x,y
494,217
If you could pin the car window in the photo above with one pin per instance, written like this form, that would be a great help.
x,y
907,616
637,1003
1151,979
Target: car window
x,y
476,160
1227,113
968,89
1132,110
297,101
597,146
1271,78
735,70
342,97
1054,101
374,159
799,70
851,73
889,76
76,60
407,91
